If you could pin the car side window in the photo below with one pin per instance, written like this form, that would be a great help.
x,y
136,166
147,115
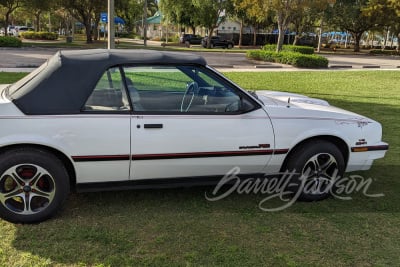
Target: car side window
x,y
180,89
109,93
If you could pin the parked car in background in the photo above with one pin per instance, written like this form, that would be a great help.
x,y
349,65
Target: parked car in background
x,y
10,29
190,39
19,29
308,41
217,41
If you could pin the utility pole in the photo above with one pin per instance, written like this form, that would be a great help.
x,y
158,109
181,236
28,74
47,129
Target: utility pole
x,y
320,34
145,23
110,25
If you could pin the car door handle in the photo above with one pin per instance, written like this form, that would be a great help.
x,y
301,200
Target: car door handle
x,y
153,126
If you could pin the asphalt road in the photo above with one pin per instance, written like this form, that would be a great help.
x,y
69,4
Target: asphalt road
x,y
24,57
33,57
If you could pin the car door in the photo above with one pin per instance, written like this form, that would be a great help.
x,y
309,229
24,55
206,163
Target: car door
x,y
189,122
99,137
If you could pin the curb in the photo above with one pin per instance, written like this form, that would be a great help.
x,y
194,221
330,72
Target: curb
x,y
371,67
267,66
340,67
17,69
222,66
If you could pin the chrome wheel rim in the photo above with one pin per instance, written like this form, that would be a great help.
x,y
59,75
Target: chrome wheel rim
x,y
319,173
26,189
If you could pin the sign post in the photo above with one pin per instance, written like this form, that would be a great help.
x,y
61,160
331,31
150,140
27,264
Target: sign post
x,y
110,25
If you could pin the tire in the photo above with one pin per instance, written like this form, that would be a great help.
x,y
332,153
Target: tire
x,y
211,45
317,164
230,46
34,185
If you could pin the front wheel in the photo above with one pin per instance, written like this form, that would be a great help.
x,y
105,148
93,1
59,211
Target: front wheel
x,y
318,165
34,185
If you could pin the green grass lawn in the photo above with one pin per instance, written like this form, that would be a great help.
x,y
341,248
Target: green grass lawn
x,y
10,77
179,227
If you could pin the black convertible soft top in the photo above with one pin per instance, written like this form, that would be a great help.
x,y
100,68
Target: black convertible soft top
x,y
65,81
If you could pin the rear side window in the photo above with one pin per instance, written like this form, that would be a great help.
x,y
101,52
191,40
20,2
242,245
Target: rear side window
x,y
109,94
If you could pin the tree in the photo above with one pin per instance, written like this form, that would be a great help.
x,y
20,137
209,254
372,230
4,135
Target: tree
x,y
239,12
306,16
283,10
254,12
130,10
386,14
179,11
283,14
395,5
348,15
210,14
96,21
84,11
10,6
65,19
37,7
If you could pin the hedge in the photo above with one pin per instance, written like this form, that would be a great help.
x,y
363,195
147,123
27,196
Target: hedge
x,y
261,55
290,48
39,35
9,41
291,58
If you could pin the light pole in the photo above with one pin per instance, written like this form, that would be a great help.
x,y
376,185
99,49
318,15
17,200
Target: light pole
x,y
320,34
110,25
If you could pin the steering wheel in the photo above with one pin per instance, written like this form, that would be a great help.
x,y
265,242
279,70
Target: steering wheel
x,y
192,90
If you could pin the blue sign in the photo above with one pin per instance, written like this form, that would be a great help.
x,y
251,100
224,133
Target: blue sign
x,y
104,17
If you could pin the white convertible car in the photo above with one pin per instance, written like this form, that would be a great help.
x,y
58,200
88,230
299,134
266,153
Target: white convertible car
x,y
119,119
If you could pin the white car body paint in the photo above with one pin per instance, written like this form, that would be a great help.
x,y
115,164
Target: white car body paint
x,y
280,124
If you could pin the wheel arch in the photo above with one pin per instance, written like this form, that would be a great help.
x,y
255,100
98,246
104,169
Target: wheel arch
x,y
60,155
337,141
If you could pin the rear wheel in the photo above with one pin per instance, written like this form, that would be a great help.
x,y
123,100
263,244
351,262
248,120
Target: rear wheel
x,y
317,164
230,46
34,185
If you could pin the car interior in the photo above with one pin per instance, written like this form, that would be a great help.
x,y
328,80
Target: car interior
x,y
186,91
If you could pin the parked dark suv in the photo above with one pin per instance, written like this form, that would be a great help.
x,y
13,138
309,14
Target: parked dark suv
x,y
190,39
217,41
